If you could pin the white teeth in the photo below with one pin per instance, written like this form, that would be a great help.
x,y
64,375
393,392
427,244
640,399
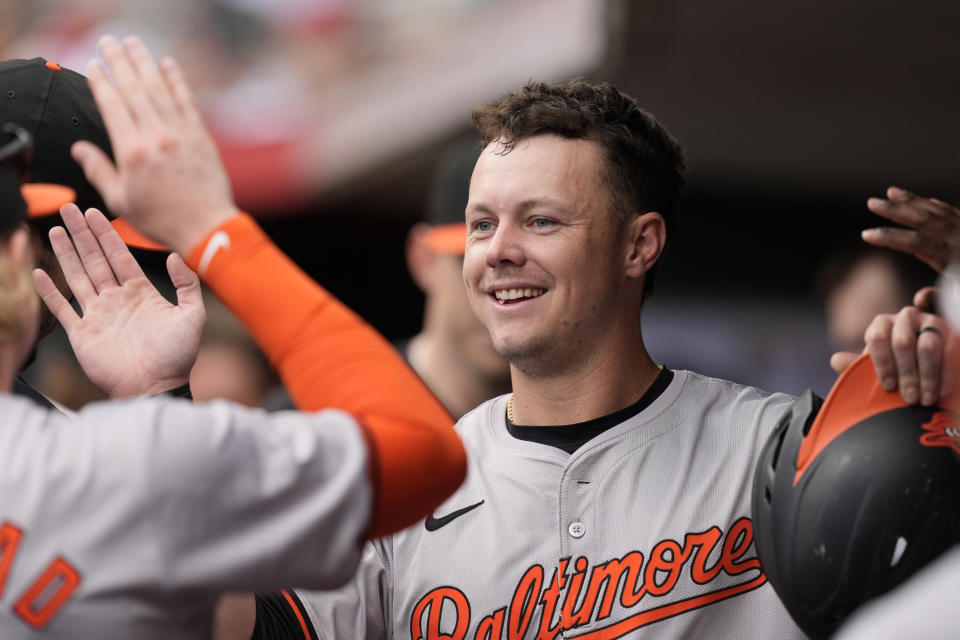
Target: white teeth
x,y
516,294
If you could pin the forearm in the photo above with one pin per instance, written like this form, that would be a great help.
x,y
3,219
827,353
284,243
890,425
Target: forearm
x,y
328,357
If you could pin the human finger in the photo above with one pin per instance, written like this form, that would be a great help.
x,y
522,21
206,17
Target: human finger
x,y
182,95
930,344
124,266
903,342
923,210
73,271
88,248
926,299
877,340
100,172
933,251
934,205
840,360
154,85
128,85
907,213
51,296
113,109
186,282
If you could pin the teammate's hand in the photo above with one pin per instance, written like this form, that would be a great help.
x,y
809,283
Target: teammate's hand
x,y
130,341
934,227
910,352
168,179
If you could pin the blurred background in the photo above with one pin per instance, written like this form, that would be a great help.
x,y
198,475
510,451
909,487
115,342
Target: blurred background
x,y
331,116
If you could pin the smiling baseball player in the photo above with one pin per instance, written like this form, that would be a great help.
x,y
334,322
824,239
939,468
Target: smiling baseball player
x,y
128,519
608,497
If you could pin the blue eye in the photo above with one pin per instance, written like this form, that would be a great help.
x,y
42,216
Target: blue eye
x,y
483,226
542,223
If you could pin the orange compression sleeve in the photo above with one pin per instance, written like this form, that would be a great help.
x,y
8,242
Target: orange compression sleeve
x,y
328,357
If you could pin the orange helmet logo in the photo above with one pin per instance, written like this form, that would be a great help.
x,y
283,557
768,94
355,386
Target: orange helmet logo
x,y
943,430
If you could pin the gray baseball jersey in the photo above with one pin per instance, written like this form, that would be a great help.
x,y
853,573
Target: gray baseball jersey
x,y
643,532
127,519
923,607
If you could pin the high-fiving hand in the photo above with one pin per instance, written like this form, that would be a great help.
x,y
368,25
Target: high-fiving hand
x,y
129,339
168,179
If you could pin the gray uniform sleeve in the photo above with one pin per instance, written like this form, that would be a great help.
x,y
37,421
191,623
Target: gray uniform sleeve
x,y
247,499
163,496
922,607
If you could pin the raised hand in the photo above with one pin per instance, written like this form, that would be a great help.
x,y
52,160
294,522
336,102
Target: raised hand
x,y
933,232
913,351
129,339
168,179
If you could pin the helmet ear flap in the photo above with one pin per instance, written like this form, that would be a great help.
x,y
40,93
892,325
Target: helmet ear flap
x,y
779,458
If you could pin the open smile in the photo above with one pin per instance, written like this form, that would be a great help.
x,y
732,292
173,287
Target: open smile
x,y
515,295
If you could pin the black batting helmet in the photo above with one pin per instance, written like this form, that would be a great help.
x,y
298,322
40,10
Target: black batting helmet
x,y
853,495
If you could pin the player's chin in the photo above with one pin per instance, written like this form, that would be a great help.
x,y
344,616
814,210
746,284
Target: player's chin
x,y
518,347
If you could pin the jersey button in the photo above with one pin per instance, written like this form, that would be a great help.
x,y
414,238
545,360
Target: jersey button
x,y
577,529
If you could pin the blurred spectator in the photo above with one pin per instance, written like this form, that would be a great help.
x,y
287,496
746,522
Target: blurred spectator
x,y
453,353
859,282
57,374
229,364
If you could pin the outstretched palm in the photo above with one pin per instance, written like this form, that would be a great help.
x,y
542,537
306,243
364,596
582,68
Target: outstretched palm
x,y
129,339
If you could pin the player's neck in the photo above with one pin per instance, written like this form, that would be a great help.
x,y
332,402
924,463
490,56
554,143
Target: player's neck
x,y
607,384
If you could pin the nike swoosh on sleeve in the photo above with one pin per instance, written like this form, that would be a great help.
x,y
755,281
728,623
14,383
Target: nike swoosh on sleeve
x,y
432,524
219,240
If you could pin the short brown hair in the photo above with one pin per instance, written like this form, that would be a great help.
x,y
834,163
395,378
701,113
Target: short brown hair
x,y
645,166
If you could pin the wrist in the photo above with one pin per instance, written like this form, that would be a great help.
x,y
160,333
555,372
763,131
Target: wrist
x,y
183,391
237,233
155,388
185,240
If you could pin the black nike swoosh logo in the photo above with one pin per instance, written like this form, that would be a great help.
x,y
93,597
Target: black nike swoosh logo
x,y
432,524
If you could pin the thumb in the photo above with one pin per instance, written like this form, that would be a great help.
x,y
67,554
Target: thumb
x,y
99,171
186,282
926,299
841,360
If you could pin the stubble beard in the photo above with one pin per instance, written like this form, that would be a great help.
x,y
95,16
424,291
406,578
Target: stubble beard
x,y
540,356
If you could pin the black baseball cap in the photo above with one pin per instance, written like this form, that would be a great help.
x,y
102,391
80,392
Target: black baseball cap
x,y
56,108
447,200
15,146
17,200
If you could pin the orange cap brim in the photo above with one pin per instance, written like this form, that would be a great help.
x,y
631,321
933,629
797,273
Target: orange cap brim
x,y
448,238
133,238
45,199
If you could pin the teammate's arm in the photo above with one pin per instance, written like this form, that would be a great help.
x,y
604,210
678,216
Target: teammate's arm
x,y
169,181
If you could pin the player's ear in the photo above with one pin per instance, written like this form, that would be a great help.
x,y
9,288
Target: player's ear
x,y
645,235
420,258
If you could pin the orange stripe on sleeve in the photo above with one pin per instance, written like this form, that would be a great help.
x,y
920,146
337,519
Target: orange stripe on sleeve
x,y
328,357
296,611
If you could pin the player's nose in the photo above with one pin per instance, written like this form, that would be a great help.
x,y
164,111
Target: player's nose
x,y
505,246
